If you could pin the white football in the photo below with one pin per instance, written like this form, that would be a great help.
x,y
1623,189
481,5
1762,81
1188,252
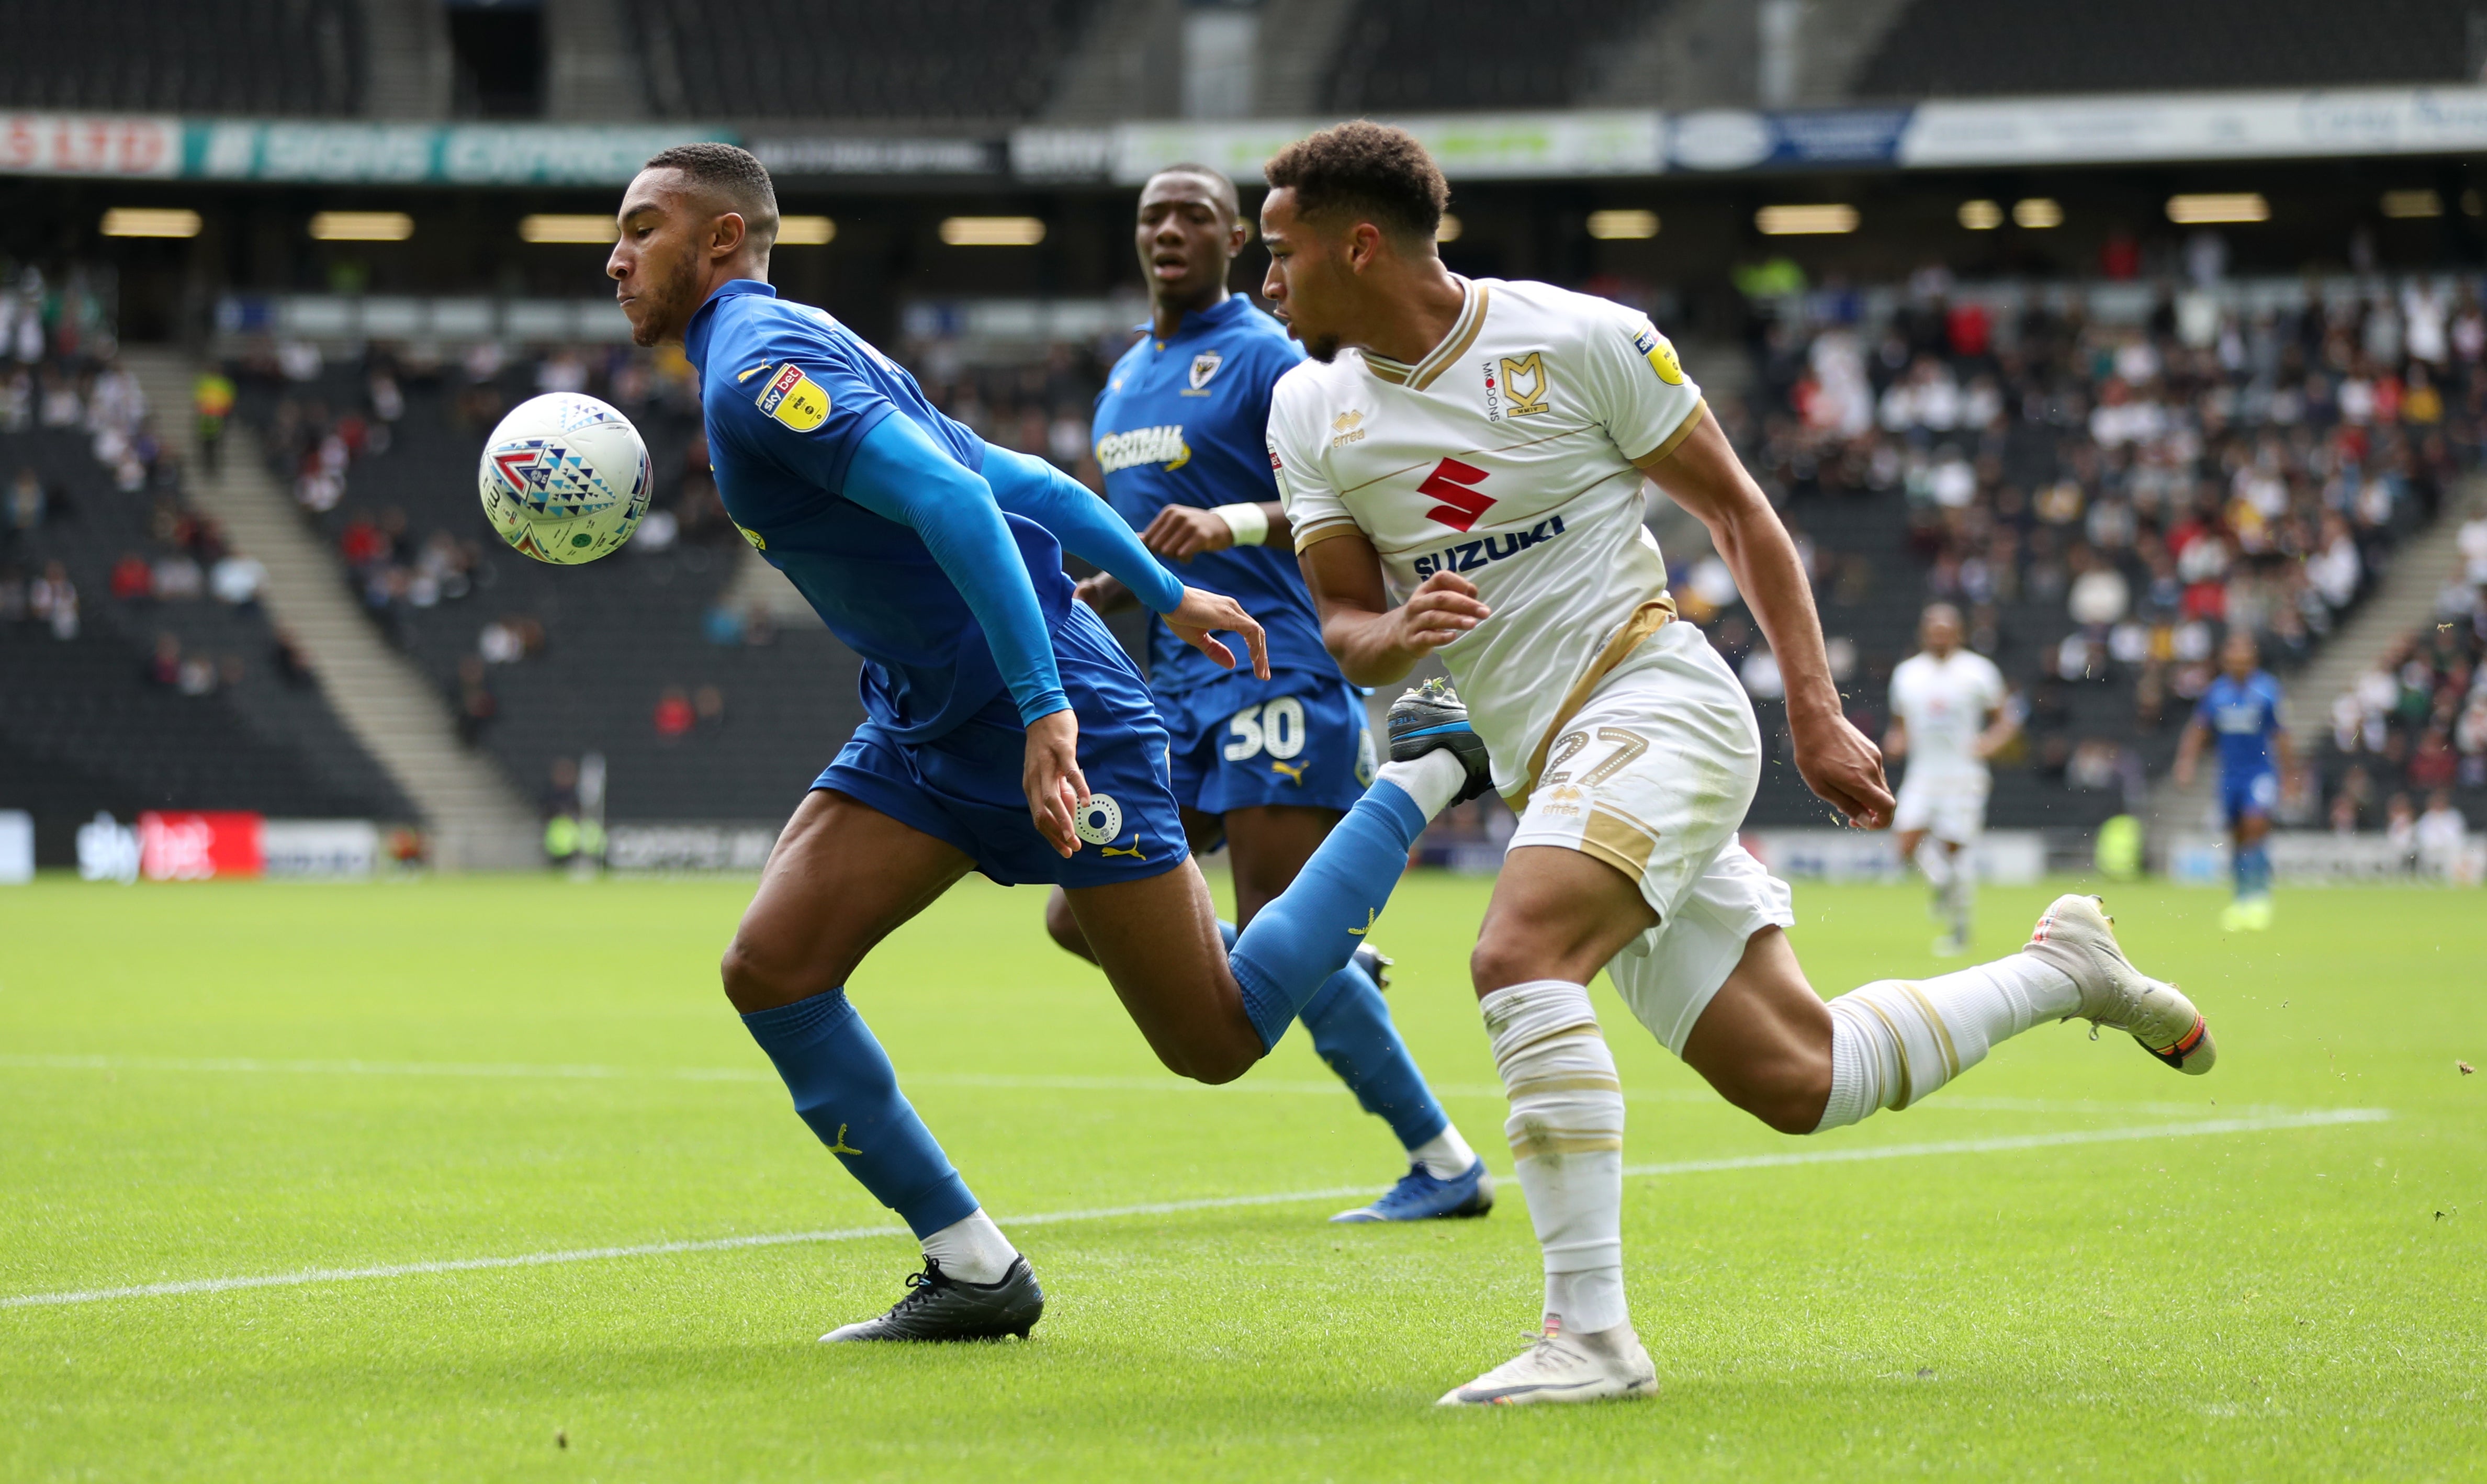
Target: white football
x,y
565,478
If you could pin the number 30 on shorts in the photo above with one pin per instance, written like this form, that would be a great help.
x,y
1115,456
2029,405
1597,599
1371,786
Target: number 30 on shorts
x,y
1275,727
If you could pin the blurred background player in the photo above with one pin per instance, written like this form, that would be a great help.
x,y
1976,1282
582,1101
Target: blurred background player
x,y
1271,765
1508,430
1005,728
2242,707
1948,717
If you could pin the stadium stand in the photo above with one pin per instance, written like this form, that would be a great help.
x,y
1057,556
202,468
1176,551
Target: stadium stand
x,y
2411,732
297,57
841,59
2103,499
709,702
1415,55
1968,48
141,672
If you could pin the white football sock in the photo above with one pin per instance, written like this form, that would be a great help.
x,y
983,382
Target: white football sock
x,y
1963,894
971,1250
1432,780
1894,1041
1567,1137
1932,859
1446,1156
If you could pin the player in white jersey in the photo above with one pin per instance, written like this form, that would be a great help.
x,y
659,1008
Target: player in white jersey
x,y
1948,717
1461,462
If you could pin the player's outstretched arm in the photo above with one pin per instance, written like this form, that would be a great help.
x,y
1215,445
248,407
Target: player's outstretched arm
x,y
1704,476
1089,530
1374,643
900,474
2189,751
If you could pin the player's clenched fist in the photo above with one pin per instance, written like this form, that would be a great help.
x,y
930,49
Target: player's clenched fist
x,y
1440,611
1838,763
1185,531
1203,612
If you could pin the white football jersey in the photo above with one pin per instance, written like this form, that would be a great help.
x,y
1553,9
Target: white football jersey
x,y
1505,455
1944,703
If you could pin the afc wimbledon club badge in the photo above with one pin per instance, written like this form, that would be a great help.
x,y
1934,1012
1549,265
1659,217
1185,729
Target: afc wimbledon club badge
x,y
794,400
1204,366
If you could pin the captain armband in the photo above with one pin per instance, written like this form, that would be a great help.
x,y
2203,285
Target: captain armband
x,y
1250,522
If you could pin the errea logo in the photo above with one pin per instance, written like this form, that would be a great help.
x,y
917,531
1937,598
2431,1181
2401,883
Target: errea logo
x,y
1162,444
1345,427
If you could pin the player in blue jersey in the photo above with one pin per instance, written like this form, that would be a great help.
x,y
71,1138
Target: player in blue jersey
x,y
2243,709
1270,766
1006,732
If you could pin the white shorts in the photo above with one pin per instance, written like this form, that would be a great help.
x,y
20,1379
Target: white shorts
x,y
1653,776
1951,806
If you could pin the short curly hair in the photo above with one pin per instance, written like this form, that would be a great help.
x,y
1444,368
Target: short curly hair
x,y
1368,170
732,175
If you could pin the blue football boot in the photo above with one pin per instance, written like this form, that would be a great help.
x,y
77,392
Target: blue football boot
x,y
1420,1197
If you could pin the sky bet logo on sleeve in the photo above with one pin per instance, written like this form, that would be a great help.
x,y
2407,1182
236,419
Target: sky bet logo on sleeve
x,y
794,400
1661,355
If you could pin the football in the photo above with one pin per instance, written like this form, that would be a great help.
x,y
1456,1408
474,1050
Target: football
x,y
564,478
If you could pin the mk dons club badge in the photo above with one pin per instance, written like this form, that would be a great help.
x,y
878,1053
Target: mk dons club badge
x,y
794,400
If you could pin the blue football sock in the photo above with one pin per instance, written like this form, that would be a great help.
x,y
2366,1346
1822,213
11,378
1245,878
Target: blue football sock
x,y
845,1089
1298,941
1350,1027
2254,871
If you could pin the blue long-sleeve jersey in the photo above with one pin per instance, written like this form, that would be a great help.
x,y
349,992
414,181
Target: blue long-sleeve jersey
x,y
932,555
1183,421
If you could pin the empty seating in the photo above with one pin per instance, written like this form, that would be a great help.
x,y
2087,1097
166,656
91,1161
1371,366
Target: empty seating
x,y
1956,47
162,56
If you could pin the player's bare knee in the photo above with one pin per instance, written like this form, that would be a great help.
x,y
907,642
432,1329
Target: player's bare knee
x,y
1789,1094
1502,959
754,983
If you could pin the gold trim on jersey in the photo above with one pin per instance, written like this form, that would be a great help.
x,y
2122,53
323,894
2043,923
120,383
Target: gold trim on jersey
x,y
1646,620
1455,345
1674,440
1308,537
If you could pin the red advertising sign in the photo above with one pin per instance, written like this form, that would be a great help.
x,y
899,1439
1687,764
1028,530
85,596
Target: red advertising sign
x,y
90,144
198,847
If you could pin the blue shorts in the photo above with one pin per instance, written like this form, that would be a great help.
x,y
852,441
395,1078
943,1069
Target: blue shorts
x,y
1298,738
963,786
2254,795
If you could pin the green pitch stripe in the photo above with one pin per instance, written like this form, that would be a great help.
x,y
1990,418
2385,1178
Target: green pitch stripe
x,y
2188,1130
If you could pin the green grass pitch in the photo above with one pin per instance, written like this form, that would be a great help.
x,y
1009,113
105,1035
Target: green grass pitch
x,y
2057,1271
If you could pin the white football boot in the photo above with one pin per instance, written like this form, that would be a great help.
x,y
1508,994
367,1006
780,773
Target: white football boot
x,y
1563,1367
2077,936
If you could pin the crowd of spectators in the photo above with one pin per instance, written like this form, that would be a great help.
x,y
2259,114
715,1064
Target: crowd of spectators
x,y
2127,492
59,373
2413,728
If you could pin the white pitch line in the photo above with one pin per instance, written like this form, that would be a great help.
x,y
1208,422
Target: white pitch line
x,y
1018,1082
2191,1130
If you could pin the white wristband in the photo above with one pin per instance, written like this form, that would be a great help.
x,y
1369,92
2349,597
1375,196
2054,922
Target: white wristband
x,y
1250,522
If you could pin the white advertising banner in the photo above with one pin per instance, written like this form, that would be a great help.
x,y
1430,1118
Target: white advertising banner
x,y
2315,858
320,849
2004,857
2214,125
1469,147
16,847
